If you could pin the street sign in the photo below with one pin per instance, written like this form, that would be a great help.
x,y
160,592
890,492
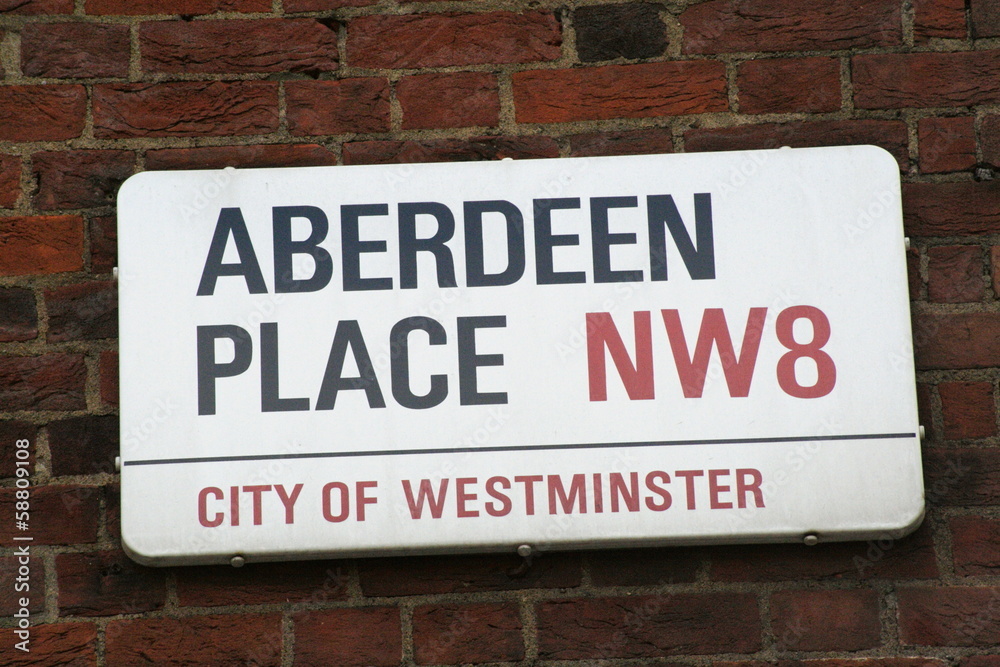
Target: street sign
x,y
570,353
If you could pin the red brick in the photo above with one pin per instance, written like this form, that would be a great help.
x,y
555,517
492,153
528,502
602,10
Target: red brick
x,y
995,268
620,91
888,134
897,81
648,626
220,640
107,583
955,274
989,139
925,411
185,109
985,18
951,209
58,645
910,557
181,7
783,85
449,150
36,6
62,107
103,244
914,280
108,367
59,515
721,26
20,321
947,144
10,432
112,510
949,616
84,445
644,567
262,583
633,142
10,180
80,179
437,40
968,409
980,661
966,340
47,382
75,50
466,574
332,636
862,662
86,311
337,107
467,633
462,99
800,620
261,45
292,6
962,477
241,157
41,244
939,18
10,599
975,545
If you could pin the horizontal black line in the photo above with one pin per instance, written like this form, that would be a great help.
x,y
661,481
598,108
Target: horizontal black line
x,y
522,448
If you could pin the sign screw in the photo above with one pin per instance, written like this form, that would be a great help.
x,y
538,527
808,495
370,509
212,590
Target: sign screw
x,y
524,550
238,561
810,540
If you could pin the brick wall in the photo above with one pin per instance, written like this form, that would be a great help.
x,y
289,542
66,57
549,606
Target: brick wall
x,y
95,90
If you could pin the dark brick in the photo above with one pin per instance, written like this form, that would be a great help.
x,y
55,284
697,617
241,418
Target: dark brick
x,y
955,274
20,320
989,139
969,340
904,80
338,107
75,50
262,583
606,32
800,620
10,180
30,7
784,85
182,7
80,179
644,567
333,637
466,574
103,244
242,157
10,433
947,144
985,18
10,599
943,19
949,616
86,311
107,583
85,445
108,368
228,640
975,545
449,150
968,410
467,633
48,382
951,209
58,644
962,477
59,514
633,142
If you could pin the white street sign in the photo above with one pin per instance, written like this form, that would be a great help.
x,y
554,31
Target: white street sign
x,y
366,360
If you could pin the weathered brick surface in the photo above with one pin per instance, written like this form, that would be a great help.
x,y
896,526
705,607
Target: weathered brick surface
x,y
322,5
970,340
467,633
783,85
335,636
103,244
174,7
949,616
719,26
185,109
75,50
644,567
985,18
449,150
989,139
85,445
262,583
890,135
606,32
48,382
620,91
109,377
20,321
107,583
955,274
950,209
40,244
80,179
464,99
968,409
943,19
241,157
800,620
634,142
262,45
436,40
10,180
33,7
60,514
947,144
963,477
648,626
63,108
17,575
338,107
228,640
895,81
86,311
58,644
975,545
11,431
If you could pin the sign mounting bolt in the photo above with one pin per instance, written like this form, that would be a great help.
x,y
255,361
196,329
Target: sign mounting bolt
x,y
810,540
237,561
